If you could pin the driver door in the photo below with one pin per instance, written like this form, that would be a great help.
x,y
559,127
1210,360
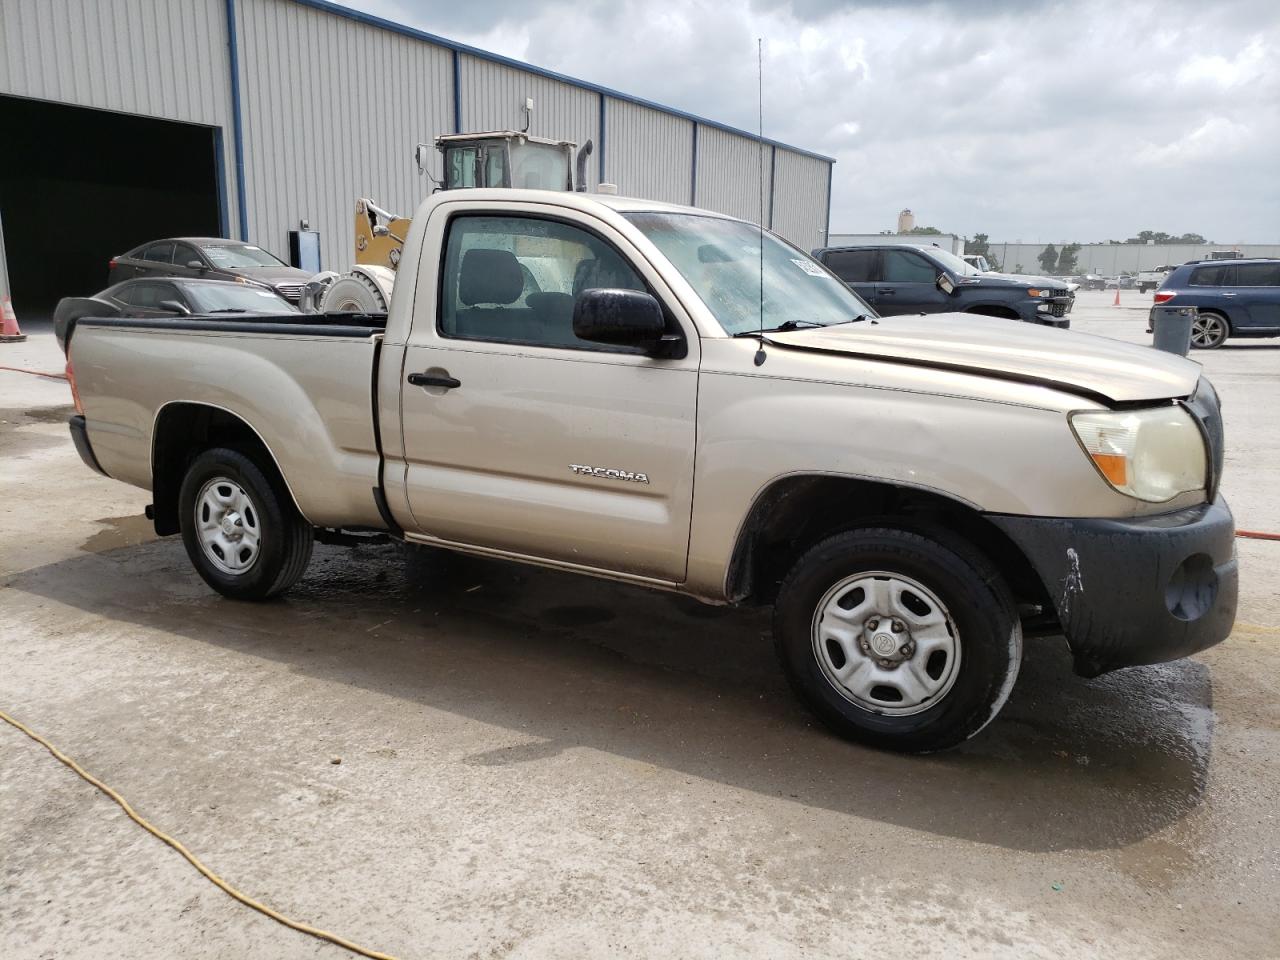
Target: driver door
x,y
909,284
519,437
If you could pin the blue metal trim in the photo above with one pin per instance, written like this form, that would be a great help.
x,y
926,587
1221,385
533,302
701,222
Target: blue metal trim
x,y
600,148
237,121
220,176
693,173
826,237
773,167
457,92
400,28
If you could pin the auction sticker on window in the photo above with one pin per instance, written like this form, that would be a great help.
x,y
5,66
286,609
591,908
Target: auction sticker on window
x,y
812,269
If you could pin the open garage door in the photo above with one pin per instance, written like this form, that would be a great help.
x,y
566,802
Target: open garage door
x,y
79,186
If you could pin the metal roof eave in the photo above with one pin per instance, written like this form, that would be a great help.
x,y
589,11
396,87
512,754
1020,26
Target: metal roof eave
x,y
369,19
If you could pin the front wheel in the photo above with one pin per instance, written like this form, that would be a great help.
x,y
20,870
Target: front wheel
x,y
896,640
242,532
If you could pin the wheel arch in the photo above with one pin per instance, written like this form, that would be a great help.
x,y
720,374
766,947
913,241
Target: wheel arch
x,y
794,512
1002,310
182,430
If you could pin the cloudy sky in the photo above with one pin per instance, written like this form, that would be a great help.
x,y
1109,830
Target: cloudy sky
x,y
1027,120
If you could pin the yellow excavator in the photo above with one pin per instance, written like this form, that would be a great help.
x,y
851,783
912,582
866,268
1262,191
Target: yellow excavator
x,y
502,158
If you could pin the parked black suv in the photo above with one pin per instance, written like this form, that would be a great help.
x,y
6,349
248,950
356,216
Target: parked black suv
x,y
906,278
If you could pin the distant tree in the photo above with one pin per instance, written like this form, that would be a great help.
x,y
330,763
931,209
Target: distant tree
x,y
925,231
980,245
1067,260
1159,236
1048,259
1017,268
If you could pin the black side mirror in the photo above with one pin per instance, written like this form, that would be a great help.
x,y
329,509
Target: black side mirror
x,y
621,317
173,306
946,284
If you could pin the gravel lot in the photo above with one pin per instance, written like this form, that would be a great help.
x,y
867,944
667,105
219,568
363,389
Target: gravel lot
x,y
535,765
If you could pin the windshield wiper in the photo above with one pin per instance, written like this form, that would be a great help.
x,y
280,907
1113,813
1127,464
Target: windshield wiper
x,y
785,327
229,310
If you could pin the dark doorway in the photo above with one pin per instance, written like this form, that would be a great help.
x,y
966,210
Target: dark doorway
x,y
79,186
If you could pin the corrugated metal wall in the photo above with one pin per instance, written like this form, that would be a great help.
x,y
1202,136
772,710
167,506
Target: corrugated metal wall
x,y
333,107
493,97
333,111
150,57
731,169
648,153
800,198
155,58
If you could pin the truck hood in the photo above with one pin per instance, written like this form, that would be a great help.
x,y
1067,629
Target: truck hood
x,y
993,279
1095,367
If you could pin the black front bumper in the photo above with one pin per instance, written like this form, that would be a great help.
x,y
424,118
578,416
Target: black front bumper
x,y
1135,591
80,437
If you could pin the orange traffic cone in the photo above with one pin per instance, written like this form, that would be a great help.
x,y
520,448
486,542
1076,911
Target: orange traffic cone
x,y
9,331
1117,302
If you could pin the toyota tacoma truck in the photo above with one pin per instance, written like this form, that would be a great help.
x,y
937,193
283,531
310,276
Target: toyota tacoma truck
x,y
678,399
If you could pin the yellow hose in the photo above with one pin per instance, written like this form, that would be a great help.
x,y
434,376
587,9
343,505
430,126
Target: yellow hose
x,y
190,857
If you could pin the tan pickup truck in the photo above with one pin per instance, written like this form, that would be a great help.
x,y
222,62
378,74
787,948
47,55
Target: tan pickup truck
x,y
609,386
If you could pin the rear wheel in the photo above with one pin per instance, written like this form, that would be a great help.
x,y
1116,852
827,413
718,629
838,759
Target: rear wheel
x,y
1209,330
897,640
242,532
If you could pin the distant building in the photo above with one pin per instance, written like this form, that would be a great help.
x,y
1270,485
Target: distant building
x,y
1112,259
906,221
143,119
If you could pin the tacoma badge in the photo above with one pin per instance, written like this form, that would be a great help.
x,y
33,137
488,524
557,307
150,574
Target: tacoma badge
x,y
608,473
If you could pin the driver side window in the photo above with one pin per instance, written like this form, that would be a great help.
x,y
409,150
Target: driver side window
x,y
903,266
515,279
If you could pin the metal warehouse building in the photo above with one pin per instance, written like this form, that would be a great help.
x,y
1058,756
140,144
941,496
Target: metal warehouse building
x,y
127,120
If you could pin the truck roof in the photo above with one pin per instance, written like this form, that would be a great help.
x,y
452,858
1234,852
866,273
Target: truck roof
x,y
581,201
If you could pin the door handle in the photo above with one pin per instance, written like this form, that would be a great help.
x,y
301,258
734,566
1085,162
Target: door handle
x,y
428,380
886,290
1228,294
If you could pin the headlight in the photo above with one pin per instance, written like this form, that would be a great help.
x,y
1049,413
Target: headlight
x,y
1039,292
1152,455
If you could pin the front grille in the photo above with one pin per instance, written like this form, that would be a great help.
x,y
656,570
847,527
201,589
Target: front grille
x,y
1206,408
291,290
1058,309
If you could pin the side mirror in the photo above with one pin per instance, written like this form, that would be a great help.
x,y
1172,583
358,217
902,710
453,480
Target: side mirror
x,y
946,284
621,317
195,265
173,306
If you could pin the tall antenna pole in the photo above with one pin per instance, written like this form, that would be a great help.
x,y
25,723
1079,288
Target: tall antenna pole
x,y
760,356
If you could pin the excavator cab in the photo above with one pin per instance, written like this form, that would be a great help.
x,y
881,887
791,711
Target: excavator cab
x,y
502,158
509,159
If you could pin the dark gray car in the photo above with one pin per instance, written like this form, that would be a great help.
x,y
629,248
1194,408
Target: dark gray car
x,y
905,278
210,258
170,297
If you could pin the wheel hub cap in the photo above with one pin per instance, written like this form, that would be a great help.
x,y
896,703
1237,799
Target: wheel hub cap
x,y
886,643
227,526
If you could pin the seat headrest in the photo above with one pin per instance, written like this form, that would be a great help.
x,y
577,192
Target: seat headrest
x,y
490,276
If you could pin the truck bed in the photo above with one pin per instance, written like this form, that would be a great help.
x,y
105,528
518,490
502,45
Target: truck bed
x,y
304,383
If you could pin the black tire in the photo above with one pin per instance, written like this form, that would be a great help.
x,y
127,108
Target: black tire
x,y
982,616
1209,330
285,539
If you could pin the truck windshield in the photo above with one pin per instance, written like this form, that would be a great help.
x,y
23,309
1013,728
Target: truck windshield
x,y
953,263
721,260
